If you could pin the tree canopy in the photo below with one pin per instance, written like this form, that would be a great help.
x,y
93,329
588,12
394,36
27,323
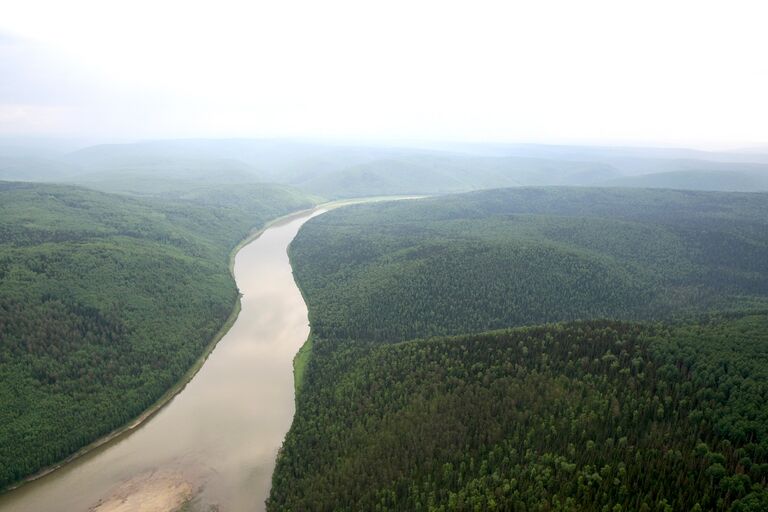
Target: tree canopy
x,y
638,383
105,302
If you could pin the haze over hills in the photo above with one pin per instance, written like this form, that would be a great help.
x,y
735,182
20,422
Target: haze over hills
x,y
735,181
339,170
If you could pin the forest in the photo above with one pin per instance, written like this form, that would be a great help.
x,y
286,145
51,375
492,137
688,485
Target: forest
x,y
353,256
106,301
494,259
583,349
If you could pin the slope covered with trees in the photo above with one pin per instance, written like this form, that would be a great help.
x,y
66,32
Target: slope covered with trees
x,y
493,259
591,414
588,416
105,302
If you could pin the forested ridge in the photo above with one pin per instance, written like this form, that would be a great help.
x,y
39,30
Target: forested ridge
x,y
488,260
567,417
105,302
649,397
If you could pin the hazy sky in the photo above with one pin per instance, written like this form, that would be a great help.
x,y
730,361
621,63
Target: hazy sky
x,y
672,71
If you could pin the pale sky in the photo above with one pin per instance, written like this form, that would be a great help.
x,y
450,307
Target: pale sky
x,y
669,72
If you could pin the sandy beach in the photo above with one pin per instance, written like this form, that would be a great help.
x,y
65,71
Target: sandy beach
x,y
157,491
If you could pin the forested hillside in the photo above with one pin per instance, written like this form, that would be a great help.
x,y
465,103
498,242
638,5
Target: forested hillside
x,y
589,416
105,302
492,259
595,414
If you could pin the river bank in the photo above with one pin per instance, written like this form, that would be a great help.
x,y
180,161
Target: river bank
x,y
185,379
225,430
215,444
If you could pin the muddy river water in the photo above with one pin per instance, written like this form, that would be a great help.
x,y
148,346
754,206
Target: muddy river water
x,y
214,445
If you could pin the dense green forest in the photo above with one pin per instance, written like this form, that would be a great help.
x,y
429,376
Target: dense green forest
x,y
106,301
598,413
586,416
493,259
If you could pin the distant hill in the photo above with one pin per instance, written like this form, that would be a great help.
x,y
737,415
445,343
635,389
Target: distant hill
x,y
446,173
337,170
342,170
276,160
34,168
170,176
726,181
614,154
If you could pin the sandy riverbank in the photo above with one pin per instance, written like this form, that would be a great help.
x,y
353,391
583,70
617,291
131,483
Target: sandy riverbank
x,y
156,491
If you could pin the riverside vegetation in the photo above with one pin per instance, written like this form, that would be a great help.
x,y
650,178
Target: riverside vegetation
x,y
534,349
106,301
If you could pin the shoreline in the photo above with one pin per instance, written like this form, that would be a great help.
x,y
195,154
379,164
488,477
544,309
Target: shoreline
x,y
177,388
302,357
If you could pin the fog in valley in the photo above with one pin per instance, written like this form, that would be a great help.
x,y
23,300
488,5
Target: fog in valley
x,y
347,98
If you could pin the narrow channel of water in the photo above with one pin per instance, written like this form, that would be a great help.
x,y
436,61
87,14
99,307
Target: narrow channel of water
x,y
217,440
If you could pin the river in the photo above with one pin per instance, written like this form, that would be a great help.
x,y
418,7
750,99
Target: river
x,y
214,445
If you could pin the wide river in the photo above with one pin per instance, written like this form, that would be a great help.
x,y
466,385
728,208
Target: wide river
x,y
215,443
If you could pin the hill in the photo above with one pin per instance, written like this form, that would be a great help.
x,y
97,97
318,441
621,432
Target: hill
x,y
726,181
409,402
105,302
441,174
348,169
589,416
492,259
